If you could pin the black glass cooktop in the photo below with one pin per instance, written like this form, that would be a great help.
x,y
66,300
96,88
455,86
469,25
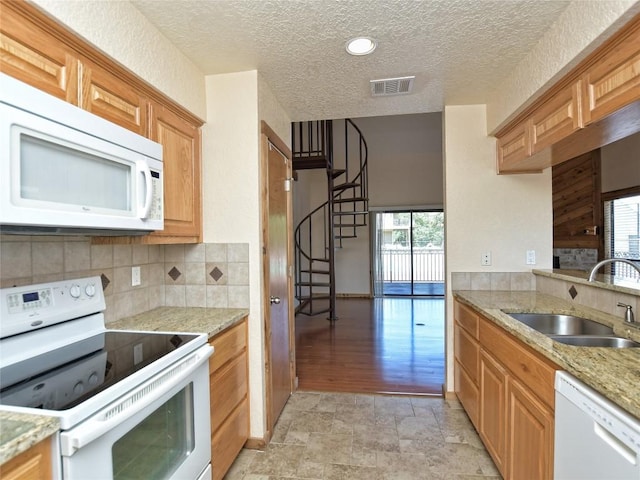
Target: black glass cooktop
x,y
67,376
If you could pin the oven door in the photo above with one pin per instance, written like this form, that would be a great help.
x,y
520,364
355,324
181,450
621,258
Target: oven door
x,y
159,430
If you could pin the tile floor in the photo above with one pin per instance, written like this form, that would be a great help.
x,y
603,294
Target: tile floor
x,y
339,436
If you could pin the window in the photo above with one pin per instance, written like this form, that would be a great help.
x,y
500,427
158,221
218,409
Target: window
x,y
622,232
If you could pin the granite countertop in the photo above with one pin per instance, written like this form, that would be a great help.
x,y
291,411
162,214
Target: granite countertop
x,y
18,431
614,372
182,319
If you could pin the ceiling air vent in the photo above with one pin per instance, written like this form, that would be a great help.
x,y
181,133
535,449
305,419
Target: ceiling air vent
x,y
391,86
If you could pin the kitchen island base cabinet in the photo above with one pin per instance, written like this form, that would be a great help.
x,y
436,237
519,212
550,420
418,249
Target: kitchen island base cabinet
x,y
515,397
228,377
32,464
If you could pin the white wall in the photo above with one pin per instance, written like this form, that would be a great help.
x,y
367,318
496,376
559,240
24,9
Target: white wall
x,y
136,44
231,200
582,27
505,215
621,164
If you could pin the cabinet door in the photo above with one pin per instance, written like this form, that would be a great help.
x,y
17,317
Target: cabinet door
x,y
493,397
530,435
613,82
467,392
30,54
181,157
514,148
110,97
33,464
557,118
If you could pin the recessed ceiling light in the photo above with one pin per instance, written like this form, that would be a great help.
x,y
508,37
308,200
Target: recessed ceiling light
x,y
361,46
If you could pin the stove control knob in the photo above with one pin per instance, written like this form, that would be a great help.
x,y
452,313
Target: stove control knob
x,y
93,379
90,290
78,388
75,290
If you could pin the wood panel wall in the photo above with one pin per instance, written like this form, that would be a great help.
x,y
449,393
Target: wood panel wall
x,y
576,202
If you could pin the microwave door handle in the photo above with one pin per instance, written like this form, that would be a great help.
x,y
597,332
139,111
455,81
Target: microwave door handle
x,y
132,403
146,173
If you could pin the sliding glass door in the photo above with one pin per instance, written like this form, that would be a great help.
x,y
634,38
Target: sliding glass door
x,y
408,253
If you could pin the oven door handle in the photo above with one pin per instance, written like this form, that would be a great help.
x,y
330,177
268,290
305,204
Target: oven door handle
x,y
133,402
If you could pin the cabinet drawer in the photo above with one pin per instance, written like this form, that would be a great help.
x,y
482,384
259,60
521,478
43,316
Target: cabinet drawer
x,y
536,373
228,388
467,319
467,393
227,442
228,345
467,352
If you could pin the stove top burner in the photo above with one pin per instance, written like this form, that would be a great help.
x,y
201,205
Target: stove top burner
x,y
67,376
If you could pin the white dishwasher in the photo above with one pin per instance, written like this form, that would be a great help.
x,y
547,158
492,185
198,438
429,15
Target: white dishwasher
x,y
594,439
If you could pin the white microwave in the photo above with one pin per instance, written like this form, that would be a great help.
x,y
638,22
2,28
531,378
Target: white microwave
x,y
64,170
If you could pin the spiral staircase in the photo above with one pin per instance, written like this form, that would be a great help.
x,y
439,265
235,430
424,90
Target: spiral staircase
x,y
323,230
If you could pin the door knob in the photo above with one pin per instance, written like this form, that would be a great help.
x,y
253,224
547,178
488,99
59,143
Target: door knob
x,y
275,300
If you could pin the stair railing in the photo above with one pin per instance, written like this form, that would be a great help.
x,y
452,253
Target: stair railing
x,y
312,147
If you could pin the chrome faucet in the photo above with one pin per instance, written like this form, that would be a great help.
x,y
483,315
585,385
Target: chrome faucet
x,y
628,314
592,275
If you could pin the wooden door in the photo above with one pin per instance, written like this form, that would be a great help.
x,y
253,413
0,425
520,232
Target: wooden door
x,y
577,218
277,280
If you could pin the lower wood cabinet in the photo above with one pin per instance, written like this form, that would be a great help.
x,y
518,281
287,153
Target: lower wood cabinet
x,y
229,394
493,398
512,400
32,464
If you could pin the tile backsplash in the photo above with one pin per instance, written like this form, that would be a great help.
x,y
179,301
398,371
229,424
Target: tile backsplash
x,y
200,275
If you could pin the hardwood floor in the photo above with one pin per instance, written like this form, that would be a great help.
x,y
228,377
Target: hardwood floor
x,y
384,345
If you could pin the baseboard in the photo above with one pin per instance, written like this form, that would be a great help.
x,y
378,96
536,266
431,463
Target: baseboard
x,y
255,443
353,295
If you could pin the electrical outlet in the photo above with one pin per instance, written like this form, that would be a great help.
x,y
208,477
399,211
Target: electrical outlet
x,y
135,276
531,257
485,260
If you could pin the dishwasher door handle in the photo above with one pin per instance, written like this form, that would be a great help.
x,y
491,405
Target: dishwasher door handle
x,y
614,442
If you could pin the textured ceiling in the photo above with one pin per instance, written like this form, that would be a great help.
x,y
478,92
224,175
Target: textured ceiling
x,y
458,49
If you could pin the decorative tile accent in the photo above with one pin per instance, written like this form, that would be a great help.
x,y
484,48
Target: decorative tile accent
x,y
216,274
174,273
573,292
105,281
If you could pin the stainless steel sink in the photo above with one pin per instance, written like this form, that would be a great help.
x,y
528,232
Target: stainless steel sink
x,y
595,341
573,330
553,324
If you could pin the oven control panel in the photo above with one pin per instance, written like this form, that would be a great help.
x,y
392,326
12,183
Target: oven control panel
x,y
36,306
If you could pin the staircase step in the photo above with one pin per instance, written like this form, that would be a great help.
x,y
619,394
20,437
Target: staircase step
x,y
350,200
314,272
338,237
349,225
345,186
320,260
336,172
309,162
353,212
314,284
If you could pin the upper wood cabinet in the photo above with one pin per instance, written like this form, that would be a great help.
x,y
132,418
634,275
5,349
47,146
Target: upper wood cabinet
x,y
36,57
39,51
597,103
613,82
556,119
107,96
180,140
